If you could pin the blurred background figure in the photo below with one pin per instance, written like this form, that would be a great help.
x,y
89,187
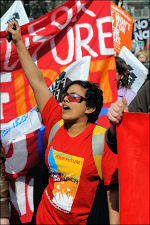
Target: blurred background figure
x,y
142,56
122,75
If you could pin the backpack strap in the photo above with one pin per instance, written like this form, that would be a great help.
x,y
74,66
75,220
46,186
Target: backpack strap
x,y
54,129
98,146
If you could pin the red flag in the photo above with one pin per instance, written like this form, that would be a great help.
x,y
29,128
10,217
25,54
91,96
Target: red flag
x,y
133,152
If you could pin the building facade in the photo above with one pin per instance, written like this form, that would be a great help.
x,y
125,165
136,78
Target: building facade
x,y
138,9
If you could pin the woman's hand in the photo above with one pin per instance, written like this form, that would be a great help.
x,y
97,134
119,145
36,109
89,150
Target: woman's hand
x,y
4,221
116,110
16,34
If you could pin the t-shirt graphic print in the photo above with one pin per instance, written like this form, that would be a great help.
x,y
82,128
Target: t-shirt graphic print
x,y
65,171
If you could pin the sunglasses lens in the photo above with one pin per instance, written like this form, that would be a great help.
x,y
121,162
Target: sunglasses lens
x,y
74,98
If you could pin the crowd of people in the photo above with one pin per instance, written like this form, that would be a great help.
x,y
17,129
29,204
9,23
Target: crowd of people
x,y
70,133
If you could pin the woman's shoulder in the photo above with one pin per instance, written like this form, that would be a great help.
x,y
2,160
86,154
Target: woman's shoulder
x,y
124,91
129,95
130,91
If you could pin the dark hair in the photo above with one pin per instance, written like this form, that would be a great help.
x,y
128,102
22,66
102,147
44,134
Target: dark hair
x,y
94,97
122,69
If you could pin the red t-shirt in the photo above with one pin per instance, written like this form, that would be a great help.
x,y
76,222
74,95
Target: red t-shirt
x,y
73,180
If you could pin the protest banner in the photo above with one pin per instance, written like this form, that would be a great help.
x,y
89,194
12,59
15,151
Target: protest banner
x,y
141,29
138,72
53,52
141,34
122,28
133,153
55,40
15,12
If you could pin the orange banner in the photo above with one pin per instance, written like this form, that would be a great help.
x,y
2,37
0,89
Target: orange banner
x,y
122,28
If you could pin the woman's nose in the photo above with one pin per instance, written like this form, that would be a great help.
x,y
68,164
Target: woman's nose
x,y
66,99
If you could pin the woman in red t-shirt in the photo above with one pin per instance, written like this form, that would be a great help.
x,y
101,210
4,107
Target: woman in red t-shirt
x,y
70,193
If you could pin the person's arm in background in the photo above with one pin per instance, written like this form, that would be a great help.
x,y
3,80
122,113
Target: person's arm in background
x,y
114,115
4,192
113,204
32,72
141,102
110,178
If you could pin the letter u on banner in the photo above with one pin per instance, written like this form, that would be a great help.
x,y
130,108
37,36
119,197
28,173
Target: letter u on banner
x,y
133,152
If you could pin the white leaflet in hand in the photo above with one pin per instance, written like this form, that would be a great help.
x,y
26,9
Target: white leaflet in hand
x,y
138,71
17,12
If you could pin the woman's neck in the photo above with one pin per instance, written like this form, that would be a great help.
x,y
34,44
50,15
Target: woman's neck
x,y
76,128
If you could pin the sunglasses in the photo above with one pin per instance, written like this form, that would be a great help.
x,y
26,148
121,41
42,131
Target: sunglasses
x,y
73,97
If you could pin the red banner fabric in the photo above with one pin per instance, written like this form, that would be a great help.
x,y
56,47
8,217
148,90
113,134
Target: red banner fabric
x,y
133,152
55,40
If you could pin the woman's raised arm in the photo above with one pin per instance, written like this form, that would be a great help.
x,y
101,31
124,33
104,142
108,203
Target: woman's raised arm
x,y
32,72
